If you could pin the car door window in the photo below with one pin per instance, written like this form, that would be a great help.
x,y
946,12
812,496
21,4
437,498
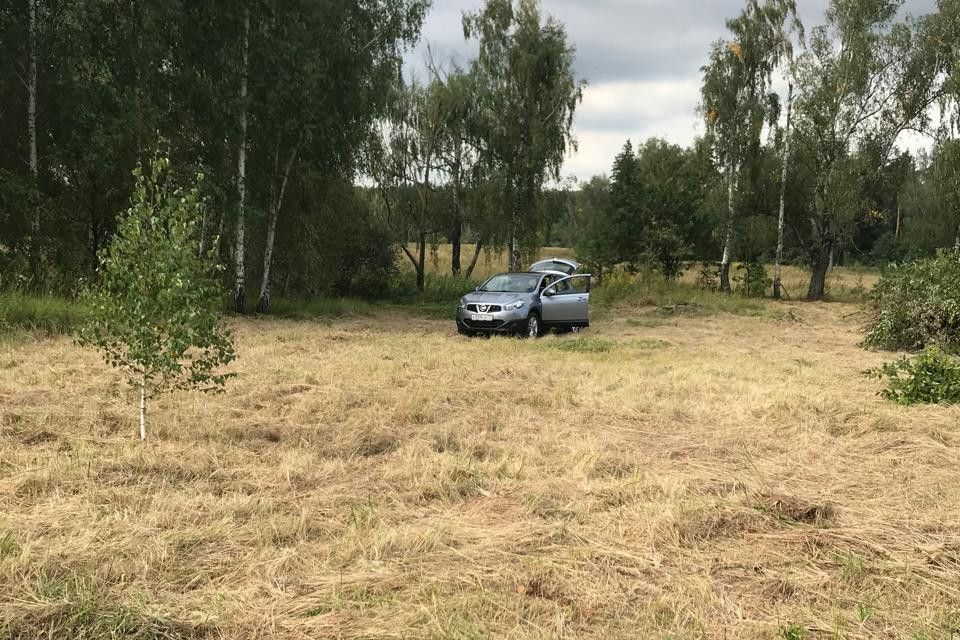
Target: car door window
x,y
563,287
579,285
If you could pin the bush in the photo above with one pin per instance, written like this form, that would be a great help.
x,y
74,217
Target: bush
x,y
753,282
708,277
932,377
918,304
892,250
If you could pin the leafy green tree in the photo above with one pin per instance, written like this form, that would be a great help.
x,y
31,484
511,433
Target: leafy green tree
x,y
406,162
155,312
737,101
527,94
863,80
592,234
652,209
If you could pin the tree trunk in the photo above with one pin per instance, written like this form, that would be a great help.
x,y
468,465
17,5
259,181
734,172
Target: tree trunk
x,y
202,250
898,220
421,261
728,235
143,407
34,161
476,256
820,267
239,296
513,259
456,235
263,304
778,269
456,231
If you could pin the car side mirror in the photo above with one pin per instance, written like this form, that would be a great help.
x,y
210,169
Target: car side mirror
x,y
549,292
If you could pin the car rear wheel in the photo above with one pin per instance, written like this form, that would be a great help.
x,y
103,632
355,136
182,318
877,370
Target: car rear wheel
x,y
533,326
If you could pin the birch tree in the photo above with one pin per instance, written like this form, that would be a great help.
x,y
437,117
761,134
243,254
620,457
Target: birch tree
x,y
34,160
781,218
155,313
864,79
736,97
239,294
407,164
322,74
527,95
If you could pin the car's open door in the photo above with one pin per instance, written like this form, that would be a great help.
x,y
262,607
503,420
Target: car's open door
x,y
566,303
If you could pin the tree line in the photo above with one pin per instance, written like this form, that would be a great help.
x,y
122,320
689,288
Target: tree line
x,y
324,159
814,176
292,110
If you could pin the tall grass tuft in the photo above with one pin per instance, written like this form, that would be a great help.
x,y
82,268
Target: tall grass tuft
x,y
41,314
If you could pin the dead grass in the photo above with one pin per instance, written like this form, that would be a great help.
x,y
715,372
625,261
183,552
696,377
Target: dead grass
x,y
718,476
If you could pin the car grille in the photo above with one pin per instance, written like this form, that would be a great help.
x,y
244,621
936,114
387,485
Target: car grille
x,y
484,324
491,308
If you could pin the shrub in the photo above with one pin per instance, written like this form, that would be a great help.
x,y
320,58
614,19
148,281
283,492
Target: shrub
x,y
932,377
753,282
918,304
892,250
708,277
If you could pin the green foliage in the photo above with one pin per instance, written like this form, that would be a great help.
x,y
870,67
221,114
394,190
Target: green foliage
x,y
42,314
580,344
708,277
918,304
753,281
670,297
932,377
888,249
793,632
76,606
528,94
649,215
155,312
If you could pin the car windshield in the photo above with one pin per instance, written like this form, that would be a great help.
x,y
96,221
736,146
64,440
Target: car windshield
x,y
512,283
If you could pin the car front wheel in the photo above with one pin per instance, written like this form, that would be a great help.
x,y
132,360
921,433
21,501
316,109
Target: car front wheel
x,y
533,326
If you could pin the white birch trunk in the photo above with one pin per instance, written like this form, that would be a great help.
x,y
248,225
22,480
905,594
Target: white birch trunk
x,y
32,132
263,304
143,407
239,294
778,275
732,172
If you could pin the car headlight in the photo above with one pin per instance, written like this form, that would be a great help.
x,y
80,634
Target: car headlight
x,y
513,306
462,304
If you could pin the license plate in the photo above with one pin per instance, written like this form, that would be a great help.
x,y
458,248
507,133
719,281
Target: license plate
x,y
481,317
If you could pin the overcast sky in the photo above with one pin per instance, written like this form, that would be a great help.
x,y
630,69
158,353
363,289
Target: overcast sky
x,y
641,58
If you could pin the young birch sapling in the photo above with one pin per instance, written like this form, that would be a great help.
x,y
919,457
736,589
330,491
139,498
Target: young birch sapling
x,y
156,310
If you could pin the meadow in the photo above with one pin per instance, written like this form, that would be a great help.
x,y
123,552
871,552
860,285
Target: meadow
x,y
692,466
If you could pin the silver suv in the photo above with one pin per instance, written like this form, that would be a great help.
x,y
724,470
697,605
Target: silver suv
x,y
528,303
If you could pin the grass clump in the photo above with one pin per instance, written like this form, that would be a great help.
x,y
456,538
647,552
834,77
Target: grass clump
x,y
670,296
581,344
73,606
319,308
933,377
40,314
918,304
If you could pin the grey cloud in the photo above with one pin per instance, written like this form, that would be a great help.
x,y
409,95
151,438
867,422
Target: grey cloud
x,y
629,51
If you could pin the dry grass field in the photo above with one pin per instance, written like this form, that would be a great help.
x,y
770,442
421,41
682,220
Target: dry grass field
x,y
663,475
